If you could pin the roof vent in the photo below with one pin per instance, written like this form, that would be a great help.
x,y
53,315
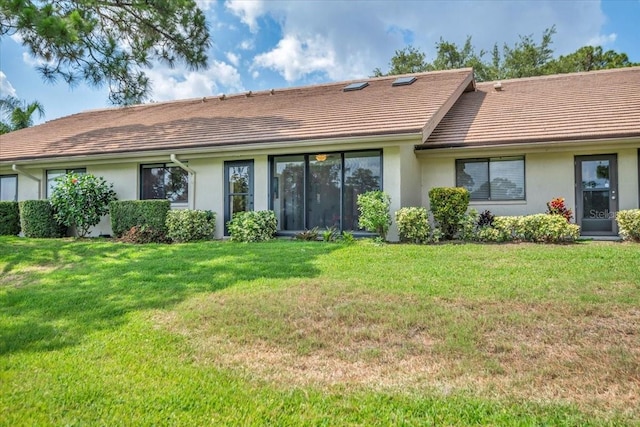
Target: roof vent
x,y
403,81
498,86
355,86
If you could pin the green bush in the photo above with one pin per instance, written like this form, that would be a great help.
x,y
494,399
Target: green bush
x,y
540,228
374,212
413,225
9,218
468,226
629,224
142,234
449,205
37,220
252,226
126,214
80,201
190,225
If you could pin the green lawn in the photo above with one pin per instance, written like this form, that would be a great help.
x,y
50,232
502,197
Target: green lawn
x,y
300,333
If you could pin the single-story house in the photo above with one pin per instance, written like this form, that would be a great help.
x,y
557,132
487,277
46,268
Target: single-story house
x,y
307,152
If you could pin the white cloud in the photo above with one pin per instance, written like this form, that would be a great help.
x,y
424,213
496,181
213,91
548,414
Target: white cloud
x,y
233,58
602,40
6,88
250,44
248,11
32,61
293,58
171,84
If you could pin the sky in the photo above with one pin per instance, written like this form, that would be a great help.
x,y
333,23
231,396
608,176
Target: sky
x,y
265,44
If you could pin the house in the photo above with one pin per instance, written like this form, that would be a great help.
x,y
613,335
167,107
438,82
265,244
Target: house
x,y
308,152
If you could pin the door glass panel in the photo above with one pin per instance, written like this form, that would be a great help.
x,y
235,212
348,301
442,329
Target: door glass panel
x,y
595,174
288,192
361,174
238,179
597,212
323,201
238,189
238,203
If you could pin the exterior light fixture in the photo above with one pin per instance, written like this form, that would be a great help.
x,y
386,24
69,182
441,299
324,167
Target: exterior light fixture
x,y
321,157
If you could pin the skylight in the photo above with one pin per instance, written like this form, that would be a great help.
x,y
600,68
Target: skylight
x,y
403,81
355,86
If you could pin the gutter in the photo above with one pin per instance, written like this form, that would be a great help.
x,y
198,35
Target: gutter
x,y
21,171
192,180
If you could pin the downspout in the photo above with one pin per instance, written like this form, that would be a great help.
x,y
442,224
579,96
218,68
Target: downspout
x,y
28,175
192,180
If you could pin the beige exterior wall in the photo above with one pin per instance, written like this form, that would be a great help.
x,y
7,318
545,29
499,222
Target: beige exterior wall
x,y
549,173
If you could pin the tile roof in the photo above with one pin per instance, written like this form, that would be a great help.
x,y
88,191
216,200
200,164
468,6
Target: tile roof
x,y
578,106
296,114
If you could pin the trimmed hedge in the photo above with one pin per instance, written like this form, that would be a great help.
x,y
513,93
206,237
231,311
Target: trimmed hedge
x,y
539,228
190,225
629,224
413,225
252,226
126,214
37,220
9,218
449,206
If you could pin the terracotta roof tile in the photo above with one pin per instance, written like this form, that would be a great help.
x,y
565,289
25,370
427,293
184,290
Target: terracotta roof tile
x,y
579,106
296,114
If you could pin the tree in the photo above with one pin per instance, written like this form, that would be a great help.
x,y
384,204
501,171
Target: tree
x,y
526,58
589,58
405,61
81,201
17,114
108,41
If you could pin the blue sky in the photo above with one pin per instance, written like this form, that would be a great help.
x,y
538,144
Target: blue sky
x,y
260,45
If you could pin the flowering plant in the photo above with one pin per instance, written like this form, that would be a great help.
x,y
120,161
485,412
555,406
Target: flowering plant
x,y
557,207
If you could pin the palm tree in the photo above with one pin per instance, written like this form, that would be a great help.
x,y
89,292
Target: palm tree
x,y
17,114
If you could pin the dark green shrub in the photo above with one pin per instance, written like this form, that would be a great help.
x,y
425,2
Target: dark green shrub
x,y
144,234
190,225
629,224
37,220
252,226
126,214
449,205
413,225
374,212
311,235
485,219
9,218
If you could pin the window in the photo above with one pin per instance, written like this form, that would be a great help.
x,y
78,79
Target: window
x,y
56,173
9,188
321,190
163,181
492,179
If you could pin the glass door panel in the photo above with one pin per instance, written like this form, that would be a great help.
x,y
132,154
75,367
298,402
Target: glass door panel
x,y
323,197
288,192
238,188
596,198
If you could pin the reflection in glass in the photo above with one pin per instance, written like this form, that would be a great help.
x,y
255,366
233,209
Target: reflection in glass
x,y
288,192
9,188
595,174
323,201
361,174
165,182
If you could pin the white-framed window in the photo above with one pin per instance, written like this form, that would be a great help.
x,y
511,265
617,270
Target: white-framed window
x,y
9,188
52,174
164,181
495,178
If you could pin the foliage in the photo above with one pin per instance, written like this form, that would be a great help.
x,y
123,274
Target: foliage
x,y
629,224
252,226
539,228
108,42
448,205
17,114
413,225
190,225
557,207
142,234
485,219
347,237
374,212
80,201
126,214
309,235
9,218
468,226
524,59
37,220
329,234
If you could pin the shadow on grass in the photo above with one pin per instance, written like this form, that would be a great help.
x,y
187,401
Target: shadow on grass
x,y
91,286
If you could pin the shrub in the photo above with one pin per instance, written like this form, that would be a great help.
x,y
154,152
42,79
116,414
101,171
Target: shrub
x,y
311,235
252,226
546,228
485,219
329,234
347,237
413,225
468,225
37,220
374,212
448,205
9,218
141,234
557,207
81,201
190,225
629,224
126,214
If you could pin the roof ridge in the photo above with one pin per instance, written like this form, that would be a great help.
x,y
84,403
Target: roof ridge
x,y
560,75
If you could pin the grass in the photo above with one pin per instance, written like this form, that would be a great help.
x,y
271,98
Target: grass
x,y
306,333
